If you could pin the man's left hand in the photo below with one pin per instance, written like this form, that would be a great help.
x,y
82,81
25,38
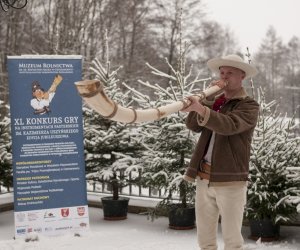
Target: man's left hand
x,y
194,105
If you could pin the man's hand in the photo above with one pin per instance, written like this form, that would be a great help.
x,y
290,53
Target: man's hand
x,y
46,95
193,104
57,80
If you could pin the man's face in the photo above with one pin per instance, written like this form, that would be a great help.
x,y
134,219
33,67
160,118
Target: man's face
x,y
39,94
233,76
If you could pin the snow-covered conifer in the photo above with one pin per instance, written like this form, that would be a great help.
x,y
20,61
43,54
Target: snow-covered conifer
x,y
275,158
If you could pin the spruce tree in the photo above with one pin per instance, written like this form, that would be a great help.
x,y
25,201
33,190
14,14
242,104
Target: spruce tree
x,y
275,159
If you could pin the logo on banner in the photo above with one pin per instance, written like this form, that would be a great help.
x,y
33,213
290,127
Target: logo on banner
x,y
83,224
33,216
81,211
21,230
48,229
20,217
65,212
49,215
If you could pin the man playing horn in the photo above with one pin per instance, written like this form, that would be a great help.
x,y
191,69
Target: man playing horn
x,y
41,98
220,162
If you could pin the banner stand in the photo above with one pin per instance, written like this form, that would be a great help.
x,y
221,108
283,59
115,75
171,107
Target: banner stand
x,y
50,195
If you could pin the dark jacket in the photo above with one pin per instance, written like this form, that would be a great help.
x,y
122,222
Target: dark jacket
x,y
234,126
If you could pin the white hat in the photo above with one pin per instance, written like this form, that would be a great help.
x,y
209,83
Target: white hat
x,y
232,61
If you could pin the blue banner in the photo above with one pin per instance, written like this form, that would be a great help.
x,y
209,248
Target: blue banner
x,y
47,140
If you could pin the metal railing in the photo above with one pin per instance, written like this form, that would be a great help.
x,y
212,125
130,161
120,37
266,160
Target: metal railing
x,y
131,189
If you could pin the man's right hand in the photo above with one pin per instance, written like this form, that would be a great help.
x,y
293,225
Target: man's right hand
x,y
57,79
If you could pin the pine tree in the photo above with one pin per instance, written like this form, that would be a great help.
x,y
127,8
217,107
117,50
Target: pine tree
x,y
275,158
5,148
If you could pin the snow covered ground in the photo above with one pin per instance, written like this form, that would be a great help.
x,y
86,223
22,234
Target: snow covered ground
x,y
135,233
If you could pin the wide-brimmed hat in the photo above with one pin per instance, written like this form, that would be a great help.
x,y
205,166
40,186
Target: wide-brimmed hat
x,y
232,61
35,86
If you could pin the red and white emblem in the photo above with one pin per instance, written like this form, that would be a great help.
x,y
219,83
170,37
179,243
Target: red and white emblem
x,y
81,211
65,212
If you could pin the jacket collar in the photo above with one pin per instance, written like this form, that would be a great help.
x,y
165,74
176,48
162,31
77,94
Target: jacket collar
x,y
242,94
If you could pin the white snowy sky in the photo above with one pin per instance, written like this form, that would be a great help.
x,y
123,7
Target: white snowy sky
x,y
250,19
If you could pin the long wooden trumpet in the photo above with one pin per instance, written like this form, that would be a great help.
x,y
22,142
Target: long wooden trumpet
x,y
92,92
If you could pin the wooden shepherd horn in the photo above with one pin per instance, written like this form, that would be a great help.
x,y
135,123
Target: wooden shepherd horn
x,y
93,94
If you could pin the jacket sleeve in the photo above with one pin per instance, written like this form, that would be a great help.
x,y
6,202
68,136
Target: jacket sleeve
x,y
192,120
242,118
